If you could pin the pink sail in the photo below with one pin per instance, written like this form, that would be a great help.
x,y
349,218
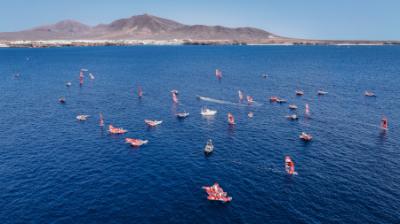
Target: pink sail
x,y
101,121
218,74
174,97
250,100
307,109
140,92
81,77
384,123
115,130
216,193
231,119
289,165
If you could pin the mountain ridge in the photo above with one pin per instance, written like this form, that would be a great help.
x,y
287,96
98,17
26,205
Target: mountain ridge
x,y
137,27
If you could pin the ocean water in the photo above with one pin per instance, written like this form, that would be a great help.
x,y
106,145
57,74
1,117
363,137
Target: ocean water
x,y
54,169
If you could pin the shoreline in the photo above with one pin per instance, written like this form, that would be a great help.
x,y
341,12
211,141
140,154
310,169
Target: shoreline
x,y
176,42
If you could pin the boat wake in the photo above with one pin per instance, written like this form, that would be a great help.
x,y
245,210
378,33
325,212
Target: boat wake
x,y
212,100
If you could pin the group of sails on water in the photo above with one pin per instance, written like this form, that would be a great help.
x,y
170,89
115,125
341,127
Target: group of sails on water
x,y
215,192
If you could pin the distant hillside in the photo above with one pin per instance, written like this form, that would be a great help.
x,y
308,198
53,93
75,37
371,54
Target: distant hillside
x,y
137,27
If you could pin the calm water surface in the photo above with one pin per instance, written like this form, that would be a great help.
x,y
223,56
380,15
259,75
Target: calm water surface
x,y
54,169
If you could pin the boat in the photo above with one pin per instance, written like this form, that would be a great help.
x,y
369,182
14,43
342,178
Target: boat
x,y
216,193
101,120
175,91
68,84
240,95
218,74
91,76
84,70
209,148
231,119
292,107
174,97
114,130
135,142
292,117
82,117
289,166
369,94
250,114
182,115
273,99
281,100
219,198
250,99
307,109
299,93
264,76
152,123
62,100
305,137
140,92
384,123
321,93
208,112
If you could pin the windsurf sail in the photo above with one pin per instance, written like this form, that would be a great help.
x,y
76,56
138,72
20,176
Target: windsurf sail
x,y
307,109
250,100
136,142
114,130
91,76
218,74
305,137
289,165
240,95
174,97
384,123
81,76
250,114
101,120
152,123
140,92
216,193
231,119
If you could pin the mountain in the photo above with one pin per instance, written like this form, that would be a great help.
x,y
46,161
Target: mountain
x,y
65,27
141,27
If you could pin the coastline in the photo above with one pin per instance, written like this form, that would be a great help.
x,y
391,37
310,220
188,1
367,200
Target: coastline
x,y
272,42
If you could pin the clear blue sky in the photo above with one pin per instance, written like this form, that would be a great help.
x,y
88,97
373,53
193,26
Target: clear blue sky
x,y
319,19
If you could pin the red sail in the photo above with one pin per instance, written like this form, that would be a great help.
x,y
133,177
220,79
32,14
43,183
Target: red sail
x,y
231,119
384,123
289,165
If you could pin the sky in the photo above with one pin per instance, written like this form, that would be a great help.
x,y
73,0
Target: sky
x,y
311,19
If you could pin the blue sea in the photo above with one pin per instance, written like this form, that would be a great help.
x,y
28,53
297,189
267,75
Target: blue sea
x,y
55,169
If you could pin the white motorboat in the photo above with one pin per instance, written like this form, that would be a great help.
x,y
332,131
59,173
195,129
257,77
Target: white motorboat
x,y
208,112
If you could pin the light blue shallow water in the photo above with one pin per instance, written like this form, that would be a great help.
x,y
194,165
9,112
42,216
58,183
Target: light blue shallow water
x,y
54,169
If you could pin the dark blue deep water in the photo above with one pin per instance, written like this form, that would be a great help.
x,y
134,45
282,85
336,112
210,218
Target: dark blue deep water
x,y
54,169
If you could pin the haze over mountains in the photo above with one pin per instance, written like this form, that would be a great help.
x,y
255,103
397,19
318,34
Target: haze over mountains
x,y
138,27
148,29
